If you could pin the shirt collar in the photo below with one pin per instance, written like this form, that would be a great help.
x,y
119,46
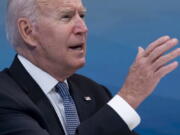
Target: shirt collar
x,y
41,77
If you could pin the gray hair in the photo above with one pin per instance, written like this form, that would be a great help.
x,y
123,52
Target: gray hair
x,y
15,10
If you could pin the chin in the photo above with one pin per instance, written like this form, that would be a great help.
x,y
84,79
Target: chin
x,y
78,64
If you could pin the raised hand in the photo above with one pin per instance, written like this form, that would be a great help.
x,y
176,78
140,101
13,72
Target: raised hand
x,y
149,67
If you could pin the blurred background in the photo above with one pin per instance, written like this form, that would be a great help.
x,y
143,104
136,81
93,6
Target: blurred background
x,y
116,29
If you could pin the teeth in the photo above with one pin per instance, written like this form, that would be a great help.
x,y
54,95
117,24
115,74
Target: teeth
x,y
79,48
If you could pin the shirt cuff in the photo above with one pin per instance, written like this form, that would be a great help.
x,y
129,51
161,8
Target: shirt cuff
x,y
125,111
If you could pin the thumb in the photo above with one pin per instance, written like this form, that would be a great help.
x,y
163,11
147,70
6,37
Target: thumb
x,y
140,52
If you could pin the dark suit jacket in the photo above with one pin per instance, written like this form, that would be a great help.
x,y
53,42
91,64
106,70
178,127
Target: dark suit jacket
x,y
25,109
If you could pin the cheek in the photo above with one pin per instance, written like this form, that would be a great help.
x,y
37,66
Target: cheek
x,y
55,36
62,33
51,37
44,34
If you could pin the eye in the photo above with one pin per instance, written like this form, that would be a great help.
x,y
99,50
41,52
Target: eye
x,y
66,16
82,15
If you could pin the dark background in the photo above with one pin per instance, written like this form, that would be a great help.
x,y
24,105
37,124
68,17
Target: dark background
x,y
116,29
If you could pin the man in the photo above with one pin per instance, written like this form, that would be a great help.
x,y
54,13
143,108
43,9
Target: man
x,y
49,37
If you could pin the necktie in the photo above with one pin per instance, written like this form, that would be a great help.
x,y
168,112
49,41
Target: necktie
x,y
72,119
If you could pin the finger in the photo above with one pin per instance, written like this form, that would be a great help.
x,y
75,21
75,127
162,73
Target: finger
x,y
166,69
140,52
165,59
155,44
156,53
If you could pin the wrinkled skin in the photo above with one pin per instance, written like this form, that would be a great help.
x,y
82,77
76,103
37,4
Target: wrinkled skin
x,y
57,44
54,38
149,67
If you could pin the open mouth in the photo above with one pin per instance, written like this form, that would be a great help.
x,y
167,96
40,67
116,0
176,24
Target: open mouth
x,y
77,47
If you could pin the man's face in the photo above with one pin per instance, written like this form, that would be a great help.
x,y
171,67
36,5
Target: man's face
x,y
61,33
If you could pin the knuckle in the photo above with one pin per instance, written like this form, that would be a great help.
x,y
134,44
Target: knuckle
x,y
159,49
163,59
137,67
155,53
140,61
178,50
171,42
174,54
159,74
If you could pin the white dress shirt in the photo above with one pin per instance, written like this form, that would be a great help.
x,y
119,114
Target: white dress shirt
x,y
42,78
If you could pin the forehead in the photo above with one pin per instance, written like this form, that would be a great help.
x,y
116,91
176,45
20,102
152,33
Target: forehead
x,y
59,4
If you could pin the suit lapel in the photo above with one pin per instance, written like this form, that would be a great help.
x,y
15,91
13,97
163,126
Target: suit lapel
x,y
25,81
82,104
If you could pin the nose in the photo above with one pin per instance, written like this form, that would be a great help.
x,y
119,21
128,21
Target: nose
x,y
80,26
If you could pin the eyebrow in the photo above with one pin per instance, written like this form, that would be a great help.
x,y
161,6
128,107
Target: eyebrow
x,y
83,9
70,9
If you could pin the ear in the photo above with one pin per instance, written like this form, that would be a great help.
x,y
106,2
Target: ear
x,y
26,31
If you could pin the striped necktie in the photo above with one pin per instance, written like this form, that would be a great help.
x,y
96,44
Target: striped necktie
x,y
72,119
